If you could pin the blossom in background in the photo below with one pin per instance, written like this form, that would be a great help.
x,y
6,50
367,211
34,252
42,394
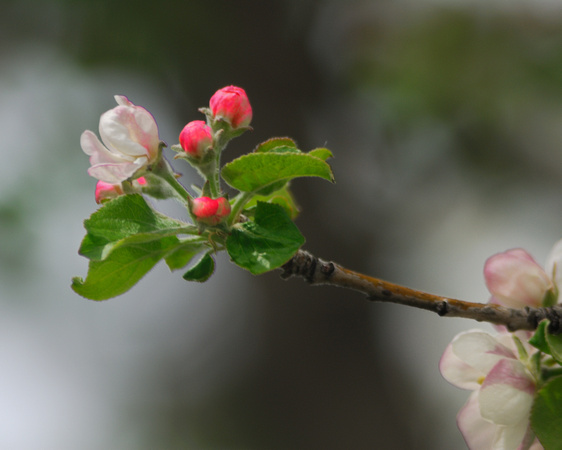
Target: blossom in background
x,y
497,413
196,138
130,143
209,210
231,104
516,280
107,191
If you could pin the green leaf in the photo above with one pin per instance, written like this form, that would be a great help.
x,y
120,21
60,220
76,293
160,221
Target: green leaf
x,y
202,270
538,340
321,153
546,414
267,172
122,269
122,218
265,243
274,143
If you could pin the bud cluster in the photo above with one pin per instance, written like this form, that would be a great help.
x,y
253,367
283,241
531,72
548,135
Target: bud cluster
x,y
131,148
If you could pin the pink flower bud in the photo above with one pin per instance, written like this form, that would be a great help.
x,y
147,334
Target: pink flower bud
x,y
516,280
107,191
196,138
210,211
232,105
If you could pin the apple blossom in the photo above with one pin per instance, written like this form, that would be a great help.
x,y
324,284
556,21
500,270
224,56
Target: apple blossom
x,y
210,211
516,280
232,105
130,143
196,138
497,413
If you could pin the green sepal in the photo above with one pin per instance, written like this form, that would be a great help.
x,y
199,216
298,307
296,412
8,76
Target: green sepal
x,y
546,342
264,173
538,340
266,243
550,298
555,344
546,414
202,270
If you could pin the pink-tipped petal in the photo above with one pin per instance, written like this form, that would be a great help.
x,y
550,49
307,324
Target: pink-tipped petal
x,y
478,433
515,279
553,265
457,372
116,173
507,394
480,350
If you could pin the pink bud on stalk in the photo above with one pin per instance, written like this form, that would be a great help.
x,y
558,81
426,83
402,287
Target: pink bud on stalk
x,y
196,138
210,211
232,105
107,191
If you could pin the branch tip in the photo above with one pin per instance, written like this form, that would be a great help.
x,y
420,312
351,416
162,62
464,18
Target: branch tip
x,y
318,271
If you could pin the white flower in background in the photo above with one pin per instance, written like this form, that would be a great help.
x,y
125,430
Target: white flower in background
x,y
130,135
497,413
516,280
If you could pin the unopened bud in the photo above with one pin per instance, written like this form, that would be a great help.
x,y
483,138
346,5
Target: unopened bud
x,y
196,138
231,104
209,210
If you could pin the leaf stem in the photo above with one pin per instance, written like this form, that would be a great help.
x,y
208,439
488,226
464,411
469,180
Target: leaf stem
x,y
239,201
165,171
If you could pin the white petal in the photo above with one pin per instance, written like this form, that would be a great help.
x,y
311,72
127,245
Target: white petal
x,y
553,265
117,130
98,153
122,100
512,437
477,432
507,394
480,350
116,173
457,372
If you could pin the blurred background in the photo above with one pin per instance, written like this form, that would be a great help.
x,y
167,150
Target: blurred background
x,y
445,118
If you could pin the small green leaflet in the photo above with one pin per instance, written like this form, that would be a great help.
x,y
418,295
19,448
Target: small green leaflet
x,y
266,243
202,270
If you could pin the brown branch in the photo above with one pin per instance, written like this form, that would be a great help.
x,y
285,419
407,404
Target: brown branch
x,y
317,271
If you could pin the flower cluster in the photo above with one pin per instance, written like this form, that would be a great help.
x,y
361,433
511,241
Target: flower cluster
x,y
131,148
497,412
502,370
